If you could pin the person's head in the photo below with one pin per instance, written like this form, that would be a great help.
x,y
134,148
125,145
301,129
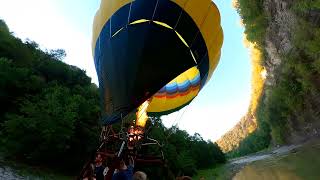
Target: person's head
x,y
187,178
89,173
139,175
98,158
184,178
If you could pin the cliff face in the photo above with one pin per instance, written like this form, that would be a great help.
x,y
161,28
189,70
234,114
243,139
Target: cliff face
x,y
280,43
278,40
241,130
287,33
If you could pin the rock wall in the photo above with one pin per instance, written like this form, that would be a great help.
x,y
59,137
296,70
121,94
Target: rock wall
x,y
278,44
279,35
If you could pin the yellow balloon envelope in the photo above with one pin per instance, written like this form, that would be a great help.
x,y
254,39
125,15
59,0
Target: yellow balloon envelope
x,y
163,51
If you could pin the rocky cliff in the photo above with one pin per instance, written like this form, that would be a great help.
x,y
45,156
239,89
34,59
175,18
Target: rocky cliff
x,y
287,33
288,24
278,40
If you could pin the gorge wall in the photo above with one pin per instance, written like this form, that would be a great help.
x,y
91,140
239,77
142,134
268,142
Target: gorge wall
x,y
287,109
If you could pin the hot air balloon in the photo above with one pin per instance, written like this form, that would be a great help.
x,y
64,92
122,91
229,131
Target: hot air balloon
x,y
163,51
154,56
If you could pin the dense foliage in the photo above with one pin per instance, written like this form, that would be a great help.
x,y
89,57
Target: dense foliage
x,y
49,114
49,110
185,154
293,102
254,19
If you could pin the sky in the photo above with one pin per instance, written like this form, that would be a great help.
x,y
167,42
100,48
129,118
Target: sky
x,y
67,24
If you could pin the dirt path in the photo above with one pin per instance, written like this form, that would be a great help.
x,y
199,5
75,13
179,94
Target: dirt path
x,y
263,155
294,162
16,171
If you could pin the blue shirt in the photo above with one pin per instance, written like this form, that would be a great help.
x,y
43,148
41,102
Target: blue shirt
x,y
99,172
124,174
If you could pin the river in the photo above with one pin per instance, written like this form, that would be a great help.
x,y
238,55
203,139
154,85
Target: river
x,y
294,162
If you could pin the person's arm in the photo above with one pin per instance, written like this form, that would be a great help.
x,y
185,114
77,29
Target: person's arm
x,y
131,161
129,171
